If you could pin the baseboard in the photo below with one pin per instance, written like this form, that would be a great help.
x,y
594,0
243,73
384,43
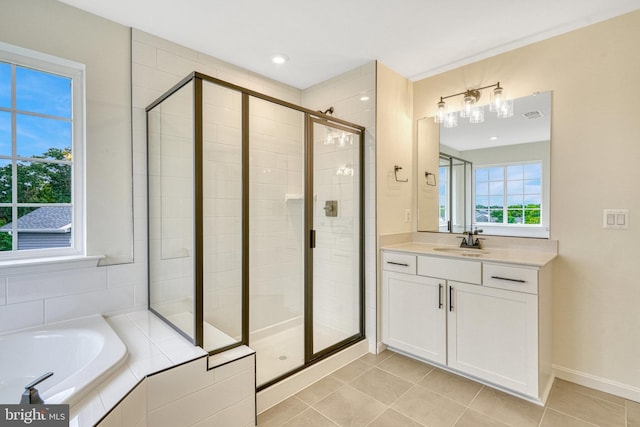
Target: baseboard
x,y
380,348
602,384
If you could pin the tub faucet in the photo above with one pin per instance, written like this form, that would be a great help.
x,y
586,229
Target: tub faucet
x,y
468,242
30,395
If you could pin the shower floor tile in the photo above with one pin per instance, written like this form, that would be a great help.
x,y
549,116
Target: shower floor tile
x,y
283,351
278,353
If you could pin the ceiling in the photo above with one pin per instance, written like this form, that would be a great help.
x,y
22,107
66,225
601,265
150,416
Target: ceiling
x,y
415,38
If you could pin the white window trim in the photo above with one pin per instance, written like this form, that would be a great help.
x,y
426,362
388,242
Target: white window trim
x,y
77,72
520,230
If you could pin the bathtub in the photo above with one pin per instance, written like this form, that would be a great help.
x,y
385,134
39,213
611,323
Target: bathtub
x,y
80,352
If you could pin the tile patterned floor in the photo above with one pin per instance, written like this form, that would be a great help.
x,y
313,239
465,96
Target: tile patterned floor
x,y
391,390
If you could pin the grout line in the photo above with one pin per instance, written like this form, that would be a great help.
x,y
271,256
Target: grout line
x,y
580,391
461,415
482,386
322,415
568,415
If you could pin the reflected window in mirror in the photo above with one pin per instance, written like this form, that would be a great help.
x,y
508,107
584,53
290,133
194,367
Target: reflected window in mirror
x,y
508,194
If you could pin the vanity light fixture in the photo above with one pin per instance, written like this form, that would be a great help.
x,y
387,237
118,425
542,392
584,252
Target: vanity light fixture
x,y
499,104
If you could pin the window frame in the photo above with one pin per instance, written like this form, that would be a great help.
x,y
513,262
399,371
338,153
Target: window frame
x,y
77,73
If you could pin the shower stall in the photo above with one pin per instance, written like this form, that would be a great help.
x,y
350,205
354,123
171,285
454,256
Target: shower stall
x,y
256,224
455,195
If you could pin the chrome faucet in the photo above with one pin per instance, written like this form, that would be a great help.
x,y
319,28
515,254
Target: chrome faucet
x,y
468,242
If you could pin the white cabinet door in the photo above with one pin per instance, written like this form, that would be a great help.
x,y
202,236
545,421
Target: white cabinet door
x,y
414,315
493,335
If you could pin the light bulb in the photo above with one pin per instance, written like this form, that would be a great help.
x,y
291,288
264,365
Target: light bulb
x,y
451,120
329,140
498,98
506,109
467,106
441,114
477,115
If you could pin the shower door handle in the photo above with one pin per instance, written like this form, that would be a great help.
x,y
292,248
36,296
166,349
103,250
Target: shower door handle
x,y
312,239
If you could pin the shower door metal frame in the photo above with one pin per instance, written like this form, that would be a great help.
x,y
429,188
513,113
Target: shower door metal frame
x,y
310,355
466,209
310,117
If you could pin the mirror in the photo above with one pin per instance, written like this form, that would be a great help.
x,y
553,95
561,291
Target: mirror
x,y
493,175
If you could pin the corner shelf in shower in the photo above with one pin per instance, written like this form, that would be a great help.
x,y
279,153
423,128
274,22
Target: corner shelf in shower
x,y
296,196
293,196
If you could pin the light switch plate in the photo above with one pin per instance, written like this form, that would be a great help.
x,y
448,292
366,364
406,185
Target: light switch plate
x,y
615,219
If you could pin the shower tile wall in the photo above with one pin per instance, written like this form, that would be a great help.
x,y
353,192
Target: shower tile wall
x,y
171,223
276,214
336,272
158,65
222,205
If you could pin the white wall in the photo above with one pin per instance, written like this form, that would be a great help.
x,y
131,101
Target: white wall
x,y
57,29
32,296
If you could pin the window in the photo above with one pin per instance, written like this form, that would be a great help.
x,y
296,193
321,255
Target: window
x,y
508,194
41,155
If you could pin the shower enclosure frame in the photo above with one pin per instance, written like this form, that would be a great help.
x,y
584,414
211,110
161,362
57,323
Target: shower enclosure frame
x,y
310,117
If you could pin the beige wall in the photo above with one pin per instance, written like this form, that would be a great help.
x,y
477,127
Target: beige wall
x,y
394,117
595,150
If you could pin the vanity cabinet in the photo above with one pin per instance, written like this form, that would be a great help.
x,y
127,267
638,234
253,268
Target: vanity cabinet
x,y
489,321
415,315
492,335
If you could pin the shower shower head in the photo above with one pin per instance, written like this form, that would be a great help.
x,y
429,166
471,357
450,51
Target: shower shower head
x,y
327,111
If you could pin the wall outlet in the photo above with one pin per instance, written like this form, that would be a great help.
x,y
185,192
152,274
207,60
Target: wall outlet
x,y
407,215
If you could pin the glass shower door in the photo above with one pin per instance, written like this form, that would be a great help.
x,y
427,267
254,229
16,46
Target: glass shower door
x,y
276,239
336,243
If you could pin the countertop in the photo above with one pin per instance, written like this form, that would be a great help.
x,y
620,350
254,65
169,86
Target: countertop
x,y
519,256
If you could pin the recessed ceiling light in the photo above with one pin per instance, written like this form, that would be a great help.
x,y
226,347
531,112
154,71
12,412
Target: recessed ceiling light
x,y
493,138
279,58
364,98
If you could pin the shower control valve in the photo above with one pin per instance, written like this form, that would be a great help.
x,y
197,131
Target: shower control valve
x,y
331,208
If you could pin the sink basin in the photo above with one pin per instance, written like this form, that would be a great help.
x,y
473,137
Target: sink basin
x,y
462,251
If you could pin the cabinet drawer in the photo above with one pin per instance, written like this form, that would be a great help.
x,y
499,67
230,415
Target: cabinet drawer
x,y
450,269
402,263
512,278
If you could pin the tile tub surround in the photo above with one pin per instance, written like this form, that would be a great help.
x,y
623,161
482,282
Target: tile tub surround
x,y
210,391
152,345
390,389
